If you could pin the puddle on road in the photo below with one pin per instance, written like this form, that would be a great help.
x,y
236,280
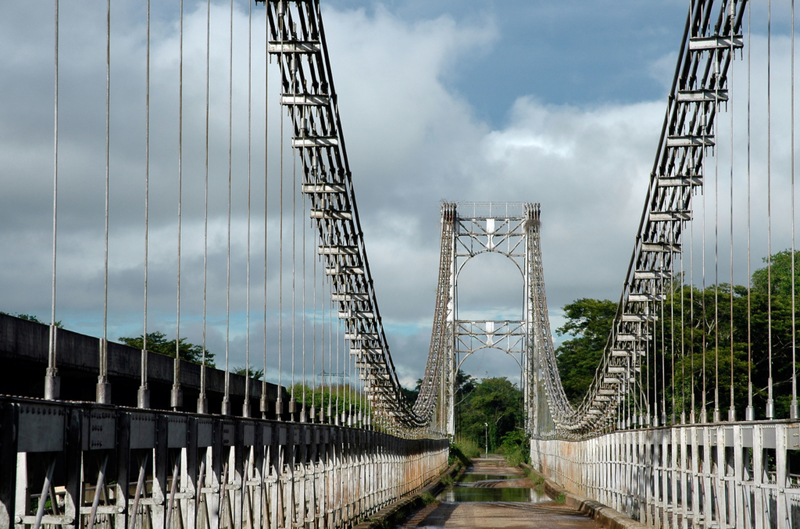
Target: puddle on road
x,y
472,478
468,489
480,494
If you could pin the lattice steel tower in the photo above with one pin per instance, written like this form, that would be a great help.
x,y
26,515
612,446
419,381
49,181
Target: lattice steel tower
x,y
470,229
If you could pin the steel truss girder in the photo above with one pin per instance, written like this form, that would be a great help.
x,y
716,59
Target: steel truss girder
x,y
162,469
699,88
297,41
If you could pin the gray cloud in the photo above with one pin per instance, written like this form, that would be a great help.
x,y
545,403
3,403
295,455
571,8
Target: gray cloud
x,y
412,138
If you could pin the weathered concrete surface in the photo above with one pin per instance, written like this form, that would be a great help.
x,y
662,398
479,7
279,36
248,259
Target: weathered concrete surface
x,y
23,351
495,465
393,514
500,515
608,517
503,516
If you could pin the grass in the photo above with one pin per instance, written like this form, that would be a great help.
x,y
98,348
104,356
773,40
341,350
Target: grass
x,y
537,480
462,451
447,481
515,457
428,498
560,498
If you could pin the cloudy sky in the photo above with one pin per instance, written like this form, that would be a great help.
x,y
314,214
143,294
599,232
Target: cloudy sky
x,y
559,103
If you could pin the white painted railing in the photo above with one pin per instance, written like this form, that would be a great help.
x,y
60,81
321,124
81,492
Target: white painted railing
x,y
159,469
738,475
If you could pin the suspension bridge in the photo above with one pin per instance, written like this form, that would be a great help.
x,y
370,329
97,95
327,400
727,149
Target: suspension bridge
x,y
691,420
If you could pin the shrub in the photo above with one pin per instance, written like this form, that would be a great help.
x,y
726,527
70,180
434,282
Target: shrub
x,y
515,448
428,498
463,451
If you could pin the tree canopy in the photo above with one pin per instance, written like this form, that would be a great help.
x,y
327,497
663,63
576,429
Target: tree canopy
x,y
495,402
242,370
157,343
589,322
694,332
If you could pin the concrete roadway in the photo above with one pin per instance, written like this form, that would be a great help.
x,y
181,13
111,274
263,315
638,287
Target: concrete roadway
x,y
499,515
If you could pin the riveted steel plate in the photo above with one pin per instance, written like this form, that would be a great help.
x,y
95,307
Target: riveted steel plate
x,y
143,430
793,437
711,435
41,428
228,433
176,432
102,429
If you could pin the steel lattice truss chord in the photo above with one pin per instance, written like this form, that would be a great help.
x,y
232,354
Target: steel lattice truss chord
x,y
307,92
712,34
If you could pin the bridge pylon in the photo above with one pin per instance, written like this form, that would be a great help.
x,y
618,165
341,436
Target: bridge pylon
x,y
470,229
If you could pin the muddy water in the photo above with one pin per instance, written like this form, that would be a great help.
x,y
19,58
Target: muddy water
x,y
478,487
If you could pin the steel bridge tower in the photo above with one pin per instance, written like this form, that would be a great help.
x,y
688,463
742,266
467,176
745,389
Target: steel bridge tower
x,y
471,229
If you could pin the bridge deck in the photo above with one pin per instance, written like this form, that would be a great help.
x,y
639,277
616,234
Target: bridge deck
x,y
499,515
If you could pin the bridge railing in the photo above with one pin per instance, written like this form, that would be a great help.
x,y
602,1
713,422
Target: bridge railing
x,y
725,475
113,467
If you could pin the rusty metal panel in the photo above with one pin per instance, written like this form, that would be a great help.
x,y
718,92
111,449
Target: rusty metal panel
x,y
228,433
41,428
143,430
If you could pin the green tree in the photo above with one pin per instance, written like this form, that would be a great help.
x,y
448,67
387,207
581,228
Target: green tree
x,y
698,330
465,384
157,343
589,321
30,317
778,274
242,370
495,402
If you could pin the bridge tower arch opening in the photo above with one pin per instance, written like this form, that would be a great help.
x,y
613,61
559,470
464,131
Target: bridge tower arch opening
x,y
490,285
509,230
